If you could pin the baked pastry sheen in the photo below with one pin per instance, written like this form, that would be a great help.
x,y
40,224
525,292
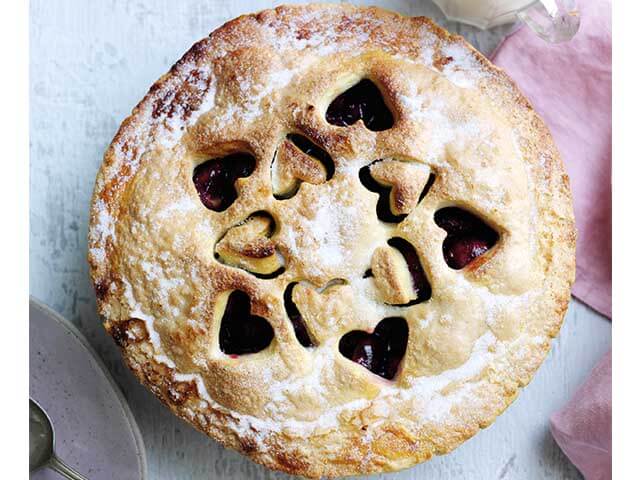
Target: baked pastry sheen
x,y
333,238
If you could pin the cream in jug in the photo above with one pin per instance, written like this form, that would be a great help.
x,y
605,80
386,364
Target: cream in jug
x,y
553,20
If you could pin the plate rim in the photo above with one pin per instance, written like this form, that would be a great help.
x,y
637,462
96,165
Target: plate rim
x,y
71,328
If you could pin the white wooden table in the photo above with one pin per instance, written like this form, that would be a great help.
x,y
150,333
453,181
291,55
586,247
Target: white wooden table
x,y
90,64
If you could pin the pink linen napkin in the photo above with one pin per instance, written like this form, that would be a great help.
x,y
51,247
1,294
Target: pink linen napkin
x,y
583,427
570,87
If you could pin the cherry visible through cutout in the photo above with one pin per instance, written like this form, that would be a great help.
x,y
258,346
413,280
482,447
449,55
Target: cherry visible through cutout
x,y
468,237
383,207
295,316
241,332
362,101
215,179
381,351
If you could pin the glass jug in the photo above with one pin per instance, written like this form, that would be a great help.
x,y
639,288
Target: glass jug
x,y
554,20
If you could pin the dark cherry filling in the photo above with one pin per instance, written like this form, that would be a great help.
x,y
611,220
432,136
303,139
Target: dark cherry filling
x,y
296,318
420,283
381,351
241,332
215,179
468,237
362,101
383,207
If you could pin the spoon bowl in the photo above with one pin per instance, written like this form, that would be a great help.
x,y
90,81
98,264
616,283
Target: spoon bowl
x,y
41,437
42,443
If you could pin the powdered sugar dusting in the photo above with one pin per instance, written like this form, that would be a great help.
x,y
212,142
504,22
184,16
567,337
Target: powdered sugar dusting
x,y
430,404
444,125
166,285
367,304
425,392
102,229
199,78
331,228
314,30
253,96
322,359
182,205
191,377
495,303
327,231
463,69
533,204
162,118
135,311
248,425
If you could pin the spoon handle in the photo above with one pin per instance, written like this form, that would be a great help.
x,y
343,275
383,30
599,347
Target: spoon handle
x,y
65,470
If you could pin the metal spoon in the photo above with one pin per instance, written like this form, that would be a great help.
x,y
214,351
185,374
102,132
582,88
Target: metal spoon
x,y
41,444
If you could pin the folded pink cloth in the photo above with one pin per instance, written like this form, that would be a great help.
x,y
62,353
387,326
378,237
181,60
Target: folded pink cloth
x,y
583,427
570,86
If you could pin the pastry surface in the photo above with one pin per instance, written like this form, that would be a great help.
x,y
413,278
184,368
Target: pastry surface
x,y
333,238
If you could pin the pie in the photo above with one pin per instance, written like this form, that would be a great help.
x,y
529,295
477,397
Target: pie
x,y
335,239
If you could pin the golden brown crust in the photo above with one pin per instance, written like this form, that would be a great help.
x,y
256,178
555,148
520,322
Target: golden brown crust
x,y
250,247
407,181
313,412
391,276
292,166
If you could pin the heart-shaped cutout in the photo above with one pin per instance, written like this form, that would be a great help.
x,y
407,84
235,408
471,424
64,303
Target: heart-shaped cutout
x,y
249,246
391,276
381,351
299,160
304,304
299,327
363,101
419,279
468,237
240,332
398,274
215,179
401,185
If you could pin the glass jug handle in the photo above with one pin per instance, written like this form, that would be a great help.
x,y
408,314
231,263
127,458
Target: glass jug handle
x,y
553,20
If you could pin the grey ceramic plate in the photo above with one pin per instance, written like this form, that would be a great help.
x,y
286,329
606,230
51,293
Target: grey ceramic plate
x,y
95,430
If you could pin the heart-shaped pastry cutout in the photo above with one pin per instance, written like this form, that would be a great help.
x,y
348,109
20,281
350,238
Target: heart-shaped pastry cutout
x,y
309,309
400,185
299,327
241,332
249,246
391,276
299,160
215,179
398,274
363,101
381,351
406,180
468,237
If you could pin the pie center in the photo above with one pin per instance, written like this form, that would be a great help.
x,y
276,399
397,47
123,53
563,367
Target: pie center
x,y
332,230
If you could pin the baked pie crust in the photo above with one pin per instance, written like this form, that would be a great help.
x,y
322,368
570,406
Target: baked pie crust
x,y
333,238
